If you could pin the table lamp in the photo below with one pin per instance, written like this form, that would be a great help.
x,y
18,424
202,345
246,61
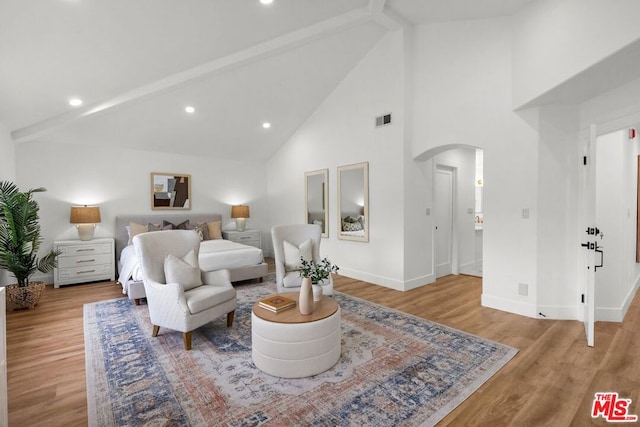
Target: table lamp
x,y
240,213
85,218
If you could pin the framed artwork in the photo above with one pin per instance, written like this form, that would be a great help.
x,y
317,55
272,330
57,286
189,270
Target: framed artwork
x,y
170,191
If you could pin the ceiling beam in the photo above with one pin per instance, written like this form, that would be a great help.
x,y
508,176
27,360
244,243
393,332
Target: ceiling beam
x,y
254,53
385,17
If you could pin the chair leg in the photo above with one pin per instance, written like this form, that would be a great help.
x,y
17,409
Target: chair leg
x,y
230,318
156,329
137,301
186,337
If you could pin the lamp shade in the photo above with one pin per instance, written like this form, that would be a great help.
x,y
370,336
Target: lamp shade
x,y
84,215
240,211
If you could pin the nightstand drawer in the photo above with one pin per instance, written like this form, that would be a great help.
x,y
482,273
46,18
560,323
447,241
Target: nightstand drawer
x,y
84,273
83,260
73,250
247,237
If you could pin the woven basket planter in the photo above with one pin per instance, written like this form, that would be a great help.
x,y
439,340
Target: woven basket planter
x,y
25,297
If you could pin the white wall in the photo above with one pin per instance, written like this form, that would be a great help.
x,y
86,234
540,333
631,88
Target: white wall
x,y
560,159
462,95
7,172
7,155
341,132
554,40
119,182
616,176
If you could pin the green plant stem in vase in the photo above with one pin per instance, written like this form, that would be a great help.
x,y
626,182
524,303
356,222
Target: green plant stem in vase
x,y
317,272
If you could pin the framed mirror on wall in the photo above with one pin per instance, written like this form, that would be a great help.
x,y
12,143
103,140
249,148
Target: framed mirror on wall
x,y
316,192
353,202
170,191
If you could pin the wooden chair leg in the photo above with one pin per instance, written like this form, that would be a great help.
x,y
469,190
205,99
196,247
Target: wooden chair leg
x,y
230,318
186,337
156,329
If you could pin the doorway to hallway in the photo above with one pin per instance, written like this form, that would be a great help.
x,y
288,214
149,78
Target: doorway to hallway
x,y
444,196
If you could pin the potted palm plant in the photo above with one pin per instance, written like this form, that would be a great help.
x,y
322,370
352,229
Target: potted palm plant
x,y
20,241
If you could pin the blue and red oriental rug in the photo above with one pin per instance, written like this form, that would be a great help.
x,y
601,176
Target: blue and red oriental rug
x,y
395,370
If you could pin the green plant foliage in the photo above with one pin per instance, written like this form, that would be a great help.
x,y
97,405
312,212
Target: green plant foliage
x,y
20,237
317,272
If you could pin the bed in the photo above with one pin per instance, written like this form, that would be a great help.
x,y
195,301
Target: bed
x,y
243,262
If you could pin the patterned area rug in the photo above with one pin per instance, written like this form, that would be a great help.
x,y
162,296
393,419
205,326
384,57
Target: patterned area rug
x,y
395,369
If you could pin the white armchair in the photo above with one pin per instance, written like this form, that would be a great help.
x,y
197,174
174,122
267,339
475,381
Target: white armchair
x,y
306,238
198,299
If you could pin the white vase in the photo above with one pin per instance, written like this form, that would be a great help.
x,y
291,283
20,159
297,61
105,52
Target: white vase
x,y
305,303
317,292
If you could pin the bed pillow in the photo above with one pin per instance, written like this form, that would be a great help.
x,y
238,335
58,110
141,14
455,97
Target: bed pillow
x,y
215,230
158,227
293,253
351,226
184,225
135,229
202,230
185,271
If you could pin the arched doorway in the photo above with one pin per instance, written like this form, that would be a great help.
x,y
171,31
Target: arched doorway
x,y
455,186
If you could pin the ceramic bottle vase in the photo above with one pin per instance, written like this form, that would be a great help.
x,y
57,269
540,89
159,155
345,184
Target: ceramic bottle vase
x,y
305,303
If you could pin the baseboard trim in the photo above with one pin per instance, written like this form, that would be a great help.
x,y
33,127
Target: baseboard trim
x,y
616,314
557,312
388,282
510,306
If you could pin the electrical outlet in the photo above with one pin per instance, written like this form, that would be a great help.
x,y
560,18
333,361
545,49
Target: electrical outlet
x,y
427,211
525,213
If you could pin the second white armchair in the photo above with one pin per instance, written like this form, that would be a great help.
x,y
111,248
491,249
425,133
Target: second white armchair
x,y
290,242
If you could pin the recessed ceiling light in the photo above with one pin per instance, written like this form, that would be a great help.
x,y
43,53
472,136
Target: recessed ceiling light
x,y
75,102
189,109
266,125
266,1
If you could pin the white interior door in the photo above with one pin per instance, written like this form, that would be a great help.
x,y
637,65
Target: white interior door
x,y
589,235
443,198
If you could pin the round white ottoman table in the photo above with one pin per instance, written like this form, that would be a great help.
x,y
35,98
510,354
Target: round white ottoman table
x,y
292,345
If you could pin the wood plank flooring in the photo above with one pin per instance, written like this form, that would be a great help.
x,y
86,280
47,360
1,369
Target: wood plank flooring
x,y
551,381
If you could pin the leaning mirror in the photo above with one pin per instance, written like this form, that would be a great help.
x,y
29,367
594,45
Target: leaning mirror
x,y
170,191
353,202
317,199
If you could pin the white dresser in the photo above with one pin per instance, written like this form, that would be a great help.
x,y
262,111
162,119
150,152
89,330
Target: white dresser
x,y
83,261
247,237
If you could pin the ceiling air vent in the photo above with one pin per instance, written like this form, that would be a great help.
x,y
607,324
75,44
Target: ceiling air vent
x,y
383,120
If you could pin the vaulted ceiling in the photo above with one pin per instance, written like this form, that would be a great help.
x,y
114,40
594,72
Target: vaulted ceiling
x,y
136,65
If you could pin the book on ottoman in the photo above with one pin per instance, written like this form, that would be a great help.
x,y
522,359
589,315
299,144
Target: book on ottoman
x,y
277,303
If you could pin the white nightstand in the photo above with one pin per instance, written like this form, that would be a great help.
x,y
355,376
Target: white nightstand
x,y
247,237
83,261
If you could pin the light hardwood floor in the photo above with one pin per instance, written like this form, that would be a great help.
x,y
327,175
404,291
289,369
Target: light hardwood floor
x,y
551,381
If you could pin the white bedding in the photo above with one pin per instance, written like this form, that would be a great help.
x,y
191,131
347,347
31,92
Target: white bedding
x,y
218,254
214,255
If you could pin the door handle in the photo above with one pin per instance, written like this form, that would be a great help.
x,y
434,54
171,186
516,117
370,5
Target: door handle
x,y
599,251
